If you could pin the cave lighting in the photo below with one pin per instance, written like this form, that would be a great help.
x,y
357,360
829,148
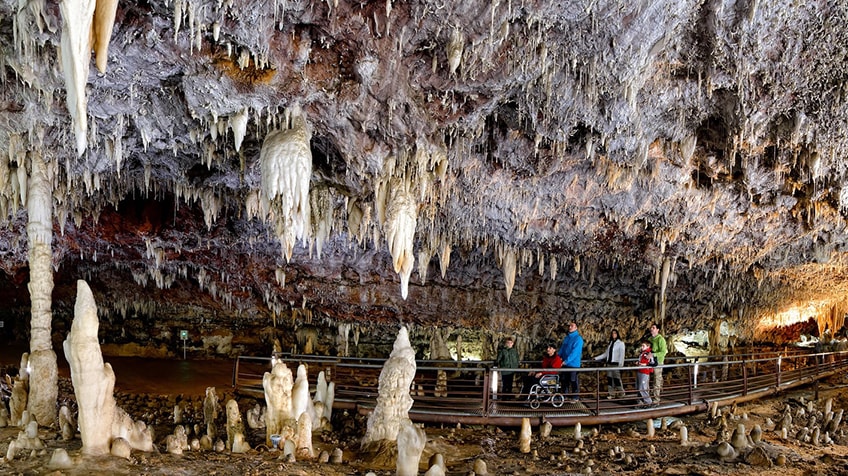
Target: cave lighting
x,y
794,315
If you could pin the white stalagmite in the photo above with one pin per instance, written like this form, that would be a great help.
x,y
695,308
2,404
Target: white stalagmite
x,y
93,380
524,436
410,442
286,168
44,373
77,17
401,219
393,398
278,396
301,403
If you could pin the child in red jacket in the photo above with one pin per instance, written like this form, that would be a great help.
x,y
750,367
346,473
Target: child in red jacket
x,y
643,375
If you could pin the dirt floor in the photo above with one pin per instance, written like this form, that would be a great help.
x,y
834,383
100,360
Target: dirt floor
x,y
607,449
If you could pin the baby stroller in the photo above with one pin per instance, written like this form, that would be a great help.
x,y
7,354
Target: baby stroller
x,y
546,391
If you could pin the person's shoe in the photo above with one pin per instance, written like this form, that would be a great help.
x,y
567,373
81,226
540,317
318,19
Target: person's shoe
x,y
610,397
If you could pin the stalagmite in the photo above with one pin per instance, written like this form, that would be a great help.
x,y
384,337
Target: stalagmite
x,y
545,429
739,439
684,436
235,425
44,373
93,380
303,447
67,425
77,17
286,168
278,396
210,412
410,443
578,431
100,420
301,403
649,423
524,436
393,398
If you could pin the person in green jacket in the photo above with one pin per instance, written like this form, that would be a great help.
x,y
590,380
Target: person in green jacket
x,y
659,348
507,359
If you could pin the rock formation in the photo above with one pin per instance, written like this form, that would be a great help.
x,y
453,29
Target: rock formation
x,y
100,420
663,159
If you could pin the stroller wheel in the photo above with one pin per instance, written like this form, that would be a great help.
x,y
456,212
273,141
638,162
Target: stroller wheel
x,y
557,400
534,402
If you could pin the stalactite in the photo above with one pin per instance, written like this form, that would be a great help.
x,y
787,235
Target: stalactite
x,y
286,168
401,219
77,17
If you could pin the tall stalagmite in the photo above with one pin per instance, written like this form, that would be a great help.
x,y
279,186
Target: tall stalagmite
x,y
44,374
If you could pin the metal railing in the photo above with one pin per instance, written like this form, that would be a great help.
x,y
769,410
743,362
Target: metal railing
x,y
467,392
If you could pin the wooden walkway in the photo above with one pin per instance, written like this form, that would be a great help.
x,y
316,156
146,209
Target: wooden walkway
x,y
451,392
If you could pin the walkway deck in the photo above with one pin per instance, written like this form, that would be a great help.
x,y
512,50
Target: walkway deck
x,y
691,385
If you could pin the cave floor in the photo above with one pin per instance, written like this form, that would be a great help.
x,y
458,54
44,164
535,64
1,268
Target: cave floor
x,y
461,446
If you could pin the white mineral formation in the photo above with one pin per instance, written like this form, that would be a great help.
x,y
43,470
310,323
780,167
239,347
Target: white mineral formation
x,y
545,429
77,17
278,397
93,380
256,417
524,436
320,389
578,431
239,444
739,439
60,460
480,467
726,451
285,162
649,425
303,447
235,425
121,448
393,398
410,443
401,220
210,411
301,403
18,401
67,424
100,420
44,374
684,436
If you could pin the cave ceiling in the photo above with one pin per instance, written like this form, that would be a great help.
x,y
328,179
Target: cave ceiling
x,y
502,165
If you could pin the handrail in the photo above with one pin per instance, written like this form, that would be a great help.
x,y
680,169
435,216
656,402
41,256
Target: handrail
x,y
450,391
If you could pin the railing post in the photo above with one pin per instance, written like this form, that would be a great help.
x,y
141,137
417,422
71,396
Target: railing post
x,y
779,361
744,376
693,369
486,410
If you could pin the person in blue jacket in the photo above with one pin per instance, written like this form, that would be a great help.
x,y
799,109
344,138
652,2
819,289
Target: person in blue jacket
x,y
571,351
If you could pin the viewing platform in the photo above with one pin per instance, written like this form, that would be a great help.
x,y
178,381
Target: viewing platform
x,y
465,392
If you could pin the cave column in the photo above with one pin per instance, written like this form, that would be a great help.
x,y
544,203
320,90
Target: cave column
x,y
44,373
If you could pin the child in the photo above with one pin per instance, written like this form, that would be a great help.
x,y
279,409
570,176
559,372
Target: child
x,y
643,375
